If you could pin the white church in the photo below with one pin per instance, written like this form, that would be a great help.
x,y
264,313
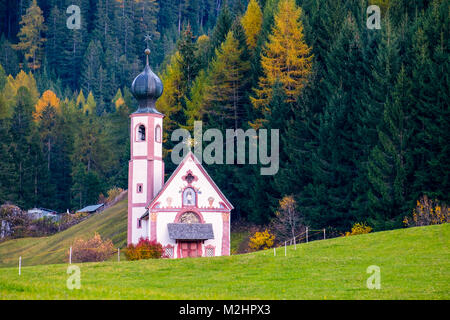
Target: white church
x,y
188,214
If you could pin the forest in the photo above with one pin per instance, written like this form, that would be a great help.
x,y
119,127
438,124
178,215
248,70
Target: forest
x,y
362,113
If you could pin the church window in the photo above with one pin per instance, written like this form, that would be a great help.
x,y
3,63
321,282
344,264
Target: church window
x,y
139,188
189,197
141,133
189,217
158,133
139,223
168,251
210,251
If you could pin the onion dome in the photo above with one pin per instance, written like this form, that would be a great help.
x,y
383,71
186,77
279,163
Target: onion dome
x,y
147,88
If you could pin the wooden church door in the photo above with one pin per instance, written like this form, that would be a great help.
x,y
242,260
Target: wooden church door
x,y
191,249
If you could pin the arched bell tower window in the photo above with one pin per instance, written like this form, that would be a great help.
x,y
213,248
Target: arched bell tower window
x,y
158,133
189,197
141,133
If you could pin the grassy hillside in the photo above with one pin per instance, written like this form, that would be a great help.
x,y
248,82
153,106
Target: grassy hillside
x,y
414,265
111,223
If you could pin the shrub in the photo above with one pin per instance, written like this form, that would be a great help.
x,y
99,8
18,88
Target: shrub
x,y
359,228
145,249
14,223
262,240
94,249
112,194
68,220
428,212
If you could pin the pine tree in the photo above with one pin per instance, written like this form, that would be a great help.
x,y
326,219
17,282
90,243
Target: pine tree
x,y
6,164
431,95
21,131
221,29
286,57
188,62
55,38
30,35
92,63
390,161
173,97
8,57
338,150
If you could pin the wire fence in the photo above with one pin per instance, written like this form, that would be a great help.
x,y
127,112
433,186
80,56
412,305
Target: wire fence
x,y
307,236
304,237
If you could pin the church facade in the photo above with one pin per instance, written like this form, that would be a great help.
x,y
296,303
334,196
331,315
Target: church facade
x,y
188,214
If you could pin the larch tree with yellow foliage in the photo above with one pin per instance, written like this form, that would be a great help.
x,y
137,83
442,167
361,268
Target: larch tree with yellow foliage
x,y
252,22
46,115
171,101
31,35
226,78
286,57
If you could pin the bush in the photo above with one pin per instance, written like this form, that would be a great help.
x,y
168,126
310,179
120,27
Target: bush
x,y
68,220
262,240
428,212
145,249
112,195
359,228
14,223
94,249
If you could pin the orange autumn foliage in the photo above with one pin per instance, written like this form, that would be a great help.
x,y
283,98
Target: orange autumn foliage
x,y
48,98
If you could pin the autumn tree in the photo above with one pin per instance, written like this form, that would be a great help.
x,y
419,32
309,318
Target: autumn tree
x,y
288,220
30,35
286,57
224,94
252,21
46,113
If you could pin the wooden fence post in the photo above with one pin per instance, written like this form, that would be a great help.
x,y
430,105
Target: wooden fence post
x,y
306,234
70,255
20,264
118,254
285,248
324,237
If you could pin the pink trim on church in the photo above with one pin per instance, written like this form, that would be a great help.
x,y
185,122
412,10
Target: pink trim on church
x,y
130,202
226,234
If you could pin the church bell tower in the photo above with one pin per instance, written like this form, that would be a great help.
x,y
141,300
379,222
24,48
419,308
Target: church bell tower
x,y
146,166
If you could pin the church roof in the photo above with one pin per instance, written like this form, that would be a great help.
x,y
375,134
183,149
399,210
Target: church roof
x,y
172,176
190,231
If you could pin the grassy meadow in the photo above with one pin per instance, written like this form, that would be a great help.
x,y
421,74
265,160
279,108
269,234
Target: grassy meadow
x,y
414,264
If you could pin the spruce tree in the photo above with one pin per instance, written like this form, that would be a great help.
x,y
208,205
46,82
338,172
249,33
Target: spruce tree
x,y
389,167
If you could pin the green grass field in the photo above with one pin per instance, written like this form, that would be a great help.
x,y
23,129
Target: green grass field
x,y
414,264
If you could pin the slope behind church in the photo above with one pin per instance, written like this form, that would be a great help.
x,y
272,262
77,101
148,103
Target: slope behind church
x,y
188,214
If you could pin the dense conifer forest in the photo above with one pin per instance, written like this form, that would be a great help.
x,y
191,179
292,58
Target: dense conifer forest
x,y
363,114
